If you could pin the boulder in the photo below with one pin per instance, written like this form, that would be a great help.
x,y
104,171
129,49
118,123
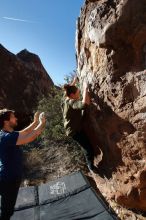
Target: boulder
x,y
111,57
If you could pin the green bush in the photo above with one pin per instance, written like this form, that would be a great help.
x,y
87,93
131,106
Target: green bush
x,y
51,105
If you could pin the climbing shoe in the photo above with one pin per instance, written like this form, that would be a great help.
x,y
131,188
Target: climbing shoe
x,y
93,169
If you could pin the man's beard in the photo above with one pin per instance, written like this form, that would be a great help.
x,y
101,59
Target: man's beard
x,y
13,125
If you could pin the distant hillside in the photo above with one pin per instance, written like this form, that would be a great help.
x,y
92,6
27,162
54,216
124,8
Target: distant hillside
x,y
22,80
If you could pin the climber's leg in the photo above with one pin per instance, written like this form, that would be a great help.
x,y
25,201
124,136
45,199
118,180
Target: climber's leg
x,y
84,141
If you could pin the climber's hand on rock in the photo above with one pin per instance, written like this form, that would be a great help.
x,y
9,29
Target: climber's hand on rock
x,y
36,117
75,80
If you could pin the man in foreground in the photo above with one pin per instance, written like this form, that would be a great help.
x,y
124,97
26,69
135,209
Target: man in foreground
x,y
11,156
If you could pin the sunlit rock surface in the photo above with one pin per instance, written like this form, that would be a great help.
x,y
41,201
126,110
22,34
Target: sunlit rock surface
x,y
111,56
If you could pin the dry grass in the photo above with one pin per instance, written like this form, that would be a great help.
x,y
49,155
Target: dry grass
x,y
49,163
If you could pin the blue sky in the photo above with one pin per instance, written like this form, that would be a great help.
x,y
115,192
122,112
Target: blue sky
x,y
44,27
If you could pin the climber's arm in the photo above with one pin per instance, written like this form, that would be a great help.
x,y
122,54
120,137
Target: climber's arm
x,y
75,80
86,97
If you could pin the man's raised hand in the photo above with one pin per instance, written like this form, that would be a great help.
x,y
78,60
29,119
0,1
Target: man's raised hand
x,y
36,117
42,118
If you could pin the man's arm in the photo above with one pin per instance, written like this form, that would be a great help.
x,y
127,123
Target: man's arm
x,y
33,125
25,138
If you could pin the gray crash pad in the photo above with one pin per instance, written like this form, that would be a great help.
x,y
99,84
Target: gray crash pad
x,y
68,198
27,214
27,197
62,187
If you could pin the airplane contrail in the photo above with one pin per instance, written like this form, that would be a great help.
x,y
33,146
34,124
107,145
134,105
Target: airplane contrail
x,y
17,19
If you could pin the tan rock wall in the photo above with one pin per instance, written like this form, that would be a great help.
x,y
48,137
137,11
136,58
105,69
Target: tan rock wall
x,y
111,56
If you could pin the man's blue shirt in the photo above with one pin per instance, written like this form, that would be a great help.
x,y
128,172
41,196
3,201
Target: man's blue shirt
x,y
10,156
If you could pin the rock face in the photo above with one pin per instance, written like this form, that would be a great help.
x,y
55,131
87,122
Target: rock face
x,y
23,80
111,56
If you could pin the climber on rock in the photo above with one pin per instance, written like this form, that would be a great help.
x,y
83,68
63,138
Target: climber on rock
x,y
73,115
11,156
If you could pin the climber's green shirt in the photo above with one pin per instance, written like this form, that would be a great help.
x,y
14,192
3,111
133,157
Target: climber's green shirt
x,y
72,115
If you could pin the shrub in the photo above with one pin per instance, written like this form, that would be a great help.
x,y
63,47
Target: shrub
x,y
51,105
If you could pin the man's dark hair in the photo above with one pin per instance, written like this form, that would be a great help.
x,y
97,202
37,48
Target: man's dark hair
x,y
70,89
5,116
